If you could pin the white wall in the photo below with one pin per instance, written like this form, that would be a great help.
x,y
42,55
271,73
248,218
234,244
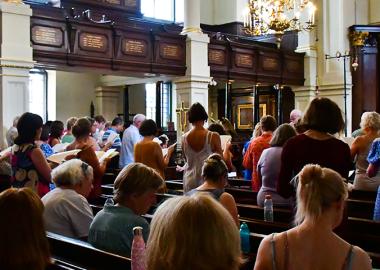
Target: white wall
x,y
137,99
75,91
207,12
374,11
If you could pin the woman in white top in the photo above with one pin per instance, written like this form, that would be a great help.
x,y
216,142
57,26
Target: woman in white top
x,y
197,145
370,124
67,211
321,196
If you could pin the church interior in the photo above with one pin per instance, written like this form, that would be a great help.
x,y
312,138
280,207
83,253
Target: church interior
x,y
122,118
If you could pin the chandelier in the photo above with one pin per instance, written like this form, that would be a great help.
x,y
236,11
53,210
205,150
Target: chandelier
x,y
263,17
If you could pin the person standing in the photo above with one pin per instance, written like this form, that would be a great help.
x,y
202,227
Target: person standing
x,y
257,146
130,138
12,132
112,134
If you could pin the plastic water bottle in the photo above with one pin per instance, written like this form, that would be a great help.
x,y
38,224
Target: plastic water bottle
x,y
109,202
268,208
376,213
138,250
244,238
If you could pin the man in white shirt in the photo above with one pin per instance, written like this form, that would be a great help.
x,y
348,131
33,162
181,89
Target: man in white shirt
x,y
131,136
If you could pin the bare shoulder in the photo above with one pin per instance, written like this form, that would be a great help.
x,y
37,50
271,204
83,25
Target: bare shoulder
x,y
361,259
227,196
264,257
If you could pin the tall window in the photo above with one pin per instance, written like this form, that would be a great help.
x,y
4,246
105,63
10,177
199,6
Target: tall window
x,y
150,93
38,93
165,101
169,10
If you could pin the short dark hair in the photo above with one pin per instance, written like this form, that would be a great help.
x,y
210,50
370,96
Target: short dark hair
x,y
282,134
197,113
323,115
56,129
92,120
45,133
27,127
82,127
268,123
148,128
100,119
117,121
217,128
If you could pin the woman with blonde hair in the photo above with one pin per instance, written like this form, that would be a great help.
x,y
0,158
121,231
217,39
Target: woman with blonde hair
x,y
23,243
215,173
193,233
134,193
321,195
370,125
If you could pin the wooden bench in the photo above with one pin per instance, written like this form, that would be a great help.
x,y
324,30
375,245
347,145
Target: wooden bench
x,y
84,256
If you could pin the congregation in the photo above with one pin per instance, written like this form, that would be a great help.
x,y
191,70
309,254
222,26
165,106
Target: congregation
x,y
304,166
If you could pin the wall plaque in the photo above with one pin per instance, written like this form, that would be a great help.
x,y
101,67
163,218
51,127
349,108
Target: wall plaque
x,y
170,51
93,42
130,3
113,2
134,47
270,64
47,36
216,57
293,66
244,60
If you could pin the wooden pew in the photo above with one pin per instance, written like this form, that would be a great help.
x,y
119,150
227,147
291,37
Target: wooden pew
x,y
358,229
83,255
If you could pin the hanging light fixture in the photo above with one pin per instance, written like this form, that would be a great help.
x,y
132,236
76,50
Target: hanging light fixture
x,y
263,17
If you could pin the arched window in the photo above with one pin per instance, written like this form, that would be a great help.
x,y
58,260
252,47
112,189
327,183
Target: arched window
x,y
168,10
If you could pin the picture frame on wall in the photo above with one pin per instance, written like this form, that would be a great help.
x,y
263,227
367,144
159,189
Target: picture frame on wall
x,y
245,116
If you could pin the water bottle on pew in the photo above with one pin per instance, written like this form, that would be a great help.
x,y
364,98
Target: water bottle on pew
x,y
244,238
138,250
268,208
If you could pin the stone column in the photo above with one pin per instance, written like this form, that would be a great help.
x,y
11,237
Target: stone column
x,y
15,62
107,101
193,87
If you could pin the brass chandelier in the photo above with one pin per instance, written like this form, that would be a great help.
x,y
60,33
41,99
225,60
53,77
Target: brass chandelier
x,y
263,17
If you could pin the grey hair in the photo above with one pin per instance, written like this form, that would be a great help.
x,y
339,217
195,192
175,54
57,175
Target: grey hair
x,y
370,120
71,173
138,117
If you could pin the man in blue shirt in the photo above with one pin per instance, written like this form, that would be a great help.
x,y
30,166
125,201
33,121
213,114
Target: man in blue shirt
x,y
112,134
131,136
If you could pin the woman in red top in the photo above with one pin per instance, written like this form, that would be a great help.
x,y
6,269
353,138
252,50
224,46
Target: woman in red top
x,y
257,146
316,145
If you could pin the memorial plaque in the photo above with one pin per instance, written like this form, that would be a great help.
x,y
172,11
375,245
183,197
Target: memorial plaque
x,y
113,2
270,64
51,36
216,57
93,42
134,47
130,3
244,60
170,51
293,66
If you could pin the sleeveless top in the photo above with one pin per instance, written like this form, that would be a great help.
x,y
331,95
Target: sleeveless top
x,y
346,266
192,175
24,173
215,193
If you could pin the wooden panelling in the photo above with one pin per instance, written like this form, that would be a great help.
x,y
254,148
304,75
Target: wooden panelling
x,y
243,62
169,53
269,67
293,68
219,58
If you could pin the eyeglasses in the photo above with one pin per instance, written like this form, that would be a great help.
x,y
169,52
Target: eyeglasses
x,y
84,167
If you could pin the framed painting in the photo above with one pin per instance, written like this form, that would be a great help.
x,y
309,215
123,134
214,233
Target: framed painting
x,y
245,116
262,109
